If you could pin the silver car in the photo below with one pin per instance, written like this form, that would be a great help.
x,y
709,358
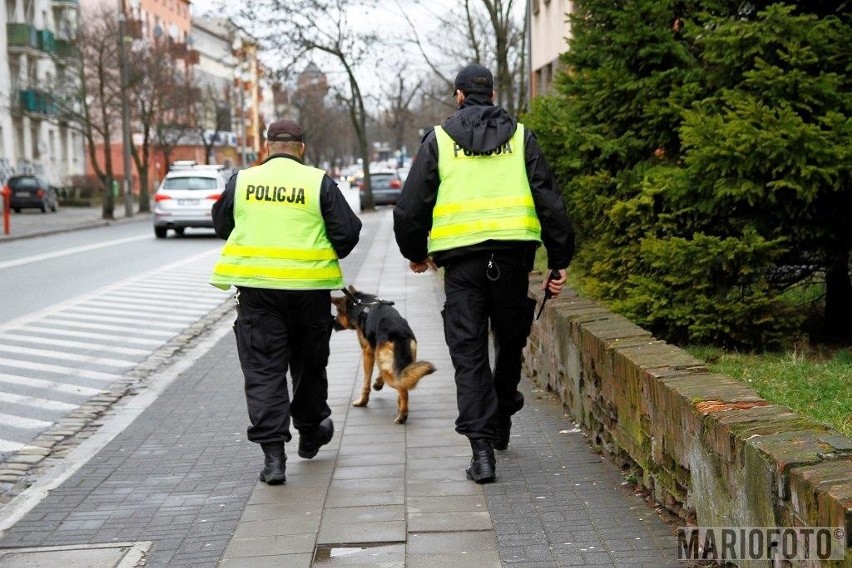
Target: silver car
x,y
186,196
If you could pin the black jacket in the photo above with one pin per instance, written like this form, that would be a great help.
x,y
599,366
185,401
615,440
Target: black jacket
x,y
342,226
480,126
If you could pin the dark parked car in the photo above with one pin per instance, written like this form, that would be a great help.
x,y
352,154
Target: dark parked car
x,y
31,192
386,188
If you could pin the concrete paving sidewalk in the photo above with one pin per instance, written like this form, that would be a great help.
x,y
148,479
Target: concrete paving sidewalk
x,y
177,485
33,223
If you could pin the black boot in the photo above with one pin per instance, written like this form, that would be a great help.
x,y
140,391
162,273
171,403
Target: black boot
x,y
504,424
504,430
274,464
311,441
483,464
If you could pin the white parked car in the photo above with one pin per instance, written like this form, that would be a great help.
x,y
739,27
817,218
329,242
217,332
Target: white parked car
x,y
186,196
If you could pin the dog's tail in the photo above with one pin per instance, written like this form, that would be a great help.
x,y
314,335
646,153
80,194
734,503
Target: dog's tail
x,y
413,372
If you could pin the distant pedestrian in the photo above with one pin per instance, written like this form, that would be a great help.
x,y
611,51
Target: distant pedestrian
x,y
287,225
479,200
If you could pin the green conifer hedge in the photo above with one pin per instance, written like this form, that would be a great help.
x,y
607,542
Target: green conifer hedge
x,y
705,151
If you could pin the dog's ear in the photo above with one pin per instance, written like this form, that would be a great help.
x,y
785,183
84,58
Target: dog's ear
x,y
352,288
338,302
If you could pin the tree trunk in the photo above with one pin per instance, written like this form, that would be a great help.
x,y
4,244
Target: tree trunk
x,y
359,120
144,195
838,292
364,150
108,207
142,167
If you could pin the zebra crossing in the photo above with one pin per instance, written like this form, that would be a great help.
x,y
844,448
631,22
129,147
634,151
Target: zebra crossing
x,y
54,360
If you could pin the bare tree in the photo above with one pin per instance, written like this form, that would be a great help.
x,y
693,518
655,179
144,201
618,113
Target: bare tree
x,y
151,82
334,143
509,52
397,115
97,108
295,28
324,118
174,124
494,36
338,146
309,102
213,117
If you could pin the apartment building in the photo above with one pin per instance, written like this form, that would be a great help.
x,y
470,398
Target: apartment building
x,y
37,40
229,66
214,77
218,63
549,33
161,22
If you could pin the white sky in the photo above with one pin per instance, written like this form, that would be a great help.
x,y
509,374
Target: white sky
x,y
388,17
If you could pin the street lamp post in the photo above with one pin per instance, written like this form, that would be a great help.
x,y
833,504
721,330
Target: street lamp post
x,y
243,137
125,109
239,83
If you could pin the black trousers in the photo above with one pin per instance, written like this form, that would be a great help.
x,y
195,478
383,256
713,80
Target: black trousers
x,y
477,296
277,330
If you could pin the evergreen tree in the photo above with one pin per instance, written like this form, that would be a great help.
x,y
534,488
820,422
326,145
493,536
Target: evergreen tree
x,y
771,147
691,169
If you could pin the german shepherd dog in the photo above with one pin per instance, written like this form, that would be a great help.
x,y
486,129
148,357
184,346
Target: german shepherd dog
x,y
386,341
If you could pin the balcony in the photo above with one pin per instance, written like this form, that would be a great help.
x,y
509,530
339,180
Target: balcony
x,y
25,38
67,3
37,103
65,49
21,37
46,41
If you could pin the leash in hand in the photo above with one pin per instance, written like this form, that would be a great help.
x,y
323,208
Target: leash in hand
x,y
552,275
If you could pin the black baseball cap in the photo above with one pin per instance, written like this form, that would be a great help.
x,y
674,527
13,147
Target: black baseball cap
x,y
474,78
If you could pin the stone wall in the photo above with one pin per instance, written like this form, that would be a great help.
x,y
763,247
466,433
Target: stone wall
x,y
707,447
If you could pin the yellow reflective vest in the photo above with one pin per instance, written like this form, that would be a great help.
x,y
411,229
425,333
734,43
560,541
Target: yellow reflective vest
x,y
279,239
482,196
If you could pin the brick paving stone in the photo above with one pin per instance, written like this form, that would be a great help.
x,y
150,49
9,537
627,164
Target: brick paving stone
x,y
135,489
551,486
183,476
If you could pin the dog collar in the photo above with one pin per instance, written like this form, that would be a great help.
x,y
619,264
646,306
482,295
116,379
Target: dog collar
x,y
360,302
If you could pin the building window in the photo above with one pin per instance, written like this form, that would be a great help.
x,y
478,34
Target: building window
x,y
536,6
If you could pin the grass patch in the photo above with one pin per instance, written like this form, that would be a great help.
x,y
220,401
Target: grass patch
x,y
816,383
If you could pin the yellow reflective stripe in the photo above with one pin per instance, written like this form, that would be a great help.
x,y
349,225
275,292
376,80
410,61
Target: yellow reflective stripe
x,y
283,273
231,249
493,214
483,204
493,225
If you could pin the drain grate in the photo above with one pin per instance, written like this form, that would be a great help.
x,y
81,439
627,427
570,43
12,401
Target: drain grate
x,y
332,554
117,554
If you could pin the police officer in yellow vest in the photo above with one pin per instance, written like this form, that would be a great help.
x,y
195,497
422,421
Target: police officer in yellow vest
x,y
479,200
287,225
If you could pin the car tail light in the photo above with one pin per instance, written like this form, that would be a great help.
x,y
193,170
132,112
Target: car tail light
x,y
215,196
39,193
161,197
395,184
